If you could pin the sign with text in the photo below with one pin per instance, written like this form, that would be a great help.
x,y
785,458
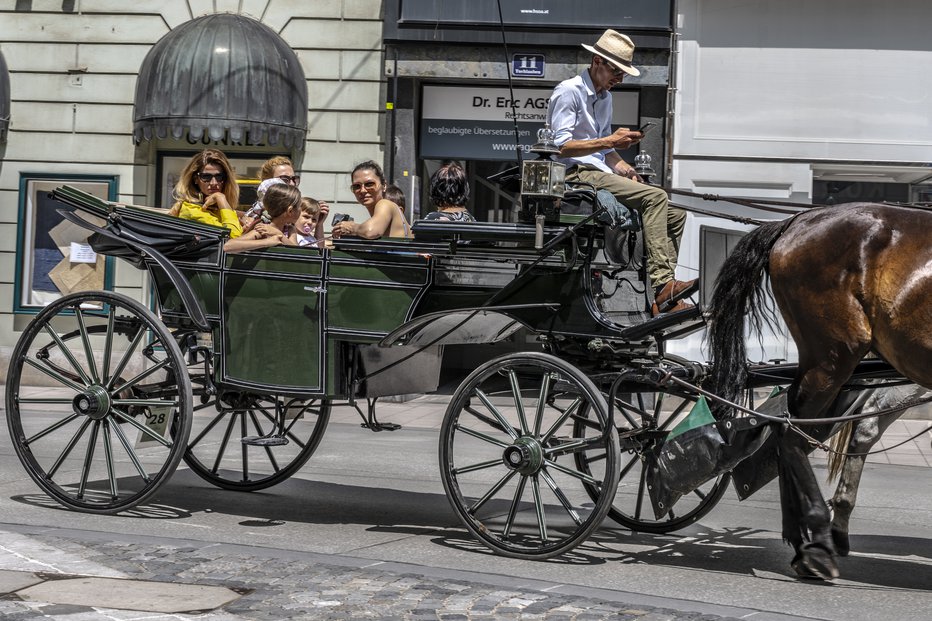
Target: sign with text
x,y
461,122
527,65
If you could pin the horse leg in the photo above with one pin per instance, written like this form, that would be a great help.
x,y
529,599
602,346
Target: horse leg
x,y
865,435
806,519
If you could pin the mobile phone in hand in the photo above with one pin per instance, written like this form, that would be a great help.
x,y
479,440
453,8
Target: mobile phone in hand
x,y
646,127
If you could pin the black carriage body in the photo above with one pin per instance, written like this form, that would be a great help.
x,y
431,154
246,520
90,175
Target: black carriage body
x,y
291,320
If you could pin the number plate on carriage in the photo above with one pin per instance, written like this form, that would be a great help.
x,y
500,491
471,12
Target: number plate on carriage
x,y
157,420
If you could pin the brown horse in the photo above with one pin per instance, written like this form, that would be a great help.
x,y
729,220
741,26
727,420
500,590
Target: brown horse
x,y
848,280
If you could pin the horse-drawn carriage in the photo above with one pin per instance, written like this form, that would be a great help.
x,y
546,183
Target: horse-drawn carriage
x,y
235,370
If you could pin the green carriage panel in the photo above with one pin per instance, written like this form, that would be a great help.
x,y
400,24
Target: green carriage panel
x,y
272,318
372,292
205,284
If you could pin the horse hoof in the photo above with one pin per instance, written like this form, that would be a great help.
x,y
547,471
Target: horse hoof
x,y
814,562
842,545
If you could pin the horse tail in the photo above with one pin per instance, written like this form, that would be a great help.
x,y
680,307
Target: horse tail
x,y
739,292
837,447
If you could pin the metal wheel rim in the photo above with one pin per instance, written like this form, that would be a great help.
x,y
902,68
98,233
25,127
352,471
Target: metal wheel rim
x,y
525,512
112,474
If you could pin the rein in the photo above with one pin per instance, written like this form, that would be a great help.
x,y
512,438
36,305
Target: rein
x,y
795,423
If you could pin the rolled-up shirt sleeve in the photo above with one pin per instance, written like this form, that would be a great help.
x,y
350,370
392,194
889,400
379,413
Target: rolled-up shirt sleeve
x,y
562,113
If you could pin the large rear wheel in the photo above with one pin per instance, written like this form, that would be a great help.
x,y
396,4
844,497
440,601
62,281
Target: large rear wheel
x,y
507,448
643,419
86,403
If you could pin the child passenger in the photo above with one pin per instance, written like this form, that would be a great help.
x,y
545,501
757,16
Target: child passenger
x,y
306,225
281,209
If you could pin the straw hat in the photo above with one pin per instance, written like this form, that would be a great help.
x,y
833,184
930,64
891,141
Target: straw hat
x,y
617,49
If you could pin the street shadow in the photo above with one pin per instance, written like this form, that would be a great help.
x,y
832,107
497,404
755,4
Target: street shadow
x,y
894,562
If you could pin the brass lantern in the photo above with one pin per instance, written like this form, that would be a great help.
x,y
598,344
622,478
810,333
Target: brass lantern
x,y
542,181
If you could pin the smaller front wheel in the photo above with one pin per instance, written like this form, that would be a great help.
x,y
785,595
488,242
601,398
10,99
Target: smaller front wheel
x,y
507,448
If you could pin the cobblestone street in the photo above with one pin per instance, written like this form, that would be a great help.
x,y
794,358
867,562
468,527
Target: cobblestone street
x,y
277,584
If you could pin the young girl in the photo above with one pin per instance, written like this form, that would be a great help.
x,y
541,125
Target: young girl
x,y
306,225
281,207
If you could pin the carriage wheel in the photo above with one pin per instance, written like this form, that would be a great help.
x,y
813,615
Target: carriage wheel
x,y
86,402
218,454
654,413
507,452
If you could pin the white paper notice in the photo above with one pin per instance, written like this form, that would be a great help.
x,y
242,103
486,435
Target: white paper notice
x,y
82,253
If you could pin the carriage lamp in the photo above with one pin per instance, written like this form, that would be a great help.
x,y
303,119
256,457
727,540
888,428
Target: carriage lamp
x,y
642,166
542,184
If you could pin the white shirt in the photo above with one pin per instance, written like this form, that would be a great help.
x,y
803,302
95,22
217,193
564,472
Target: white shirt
x,y
577,113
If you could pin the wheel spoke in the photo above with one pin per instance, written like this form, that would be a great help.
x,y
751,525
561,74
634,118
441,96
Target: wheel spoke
x,y
130,383
140,332
68,448
244,449
268,450
108,455
573,473
88,458
66,351
132,421
519,402
53,374
505,426
494,424
481,436
146,402
85,339
560,496
564,416
131,453
108,342
43,401
491,493
541,402
482,465
539,508
50,429
513,510
224,442
574,446
207,428
640,494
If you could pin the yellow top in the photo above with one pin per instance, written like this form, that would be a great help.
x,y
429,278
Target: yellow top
x,y
228,217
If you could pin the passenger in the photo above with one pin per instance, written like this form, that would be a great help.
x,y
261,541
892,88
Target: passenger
x,y
580,115
281,167
449,192
385,217
396,195
306,224
207,192
281,209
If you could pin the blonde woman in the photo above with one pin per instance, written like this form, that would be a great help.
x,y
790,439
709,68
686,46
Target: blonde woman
x,y
207,192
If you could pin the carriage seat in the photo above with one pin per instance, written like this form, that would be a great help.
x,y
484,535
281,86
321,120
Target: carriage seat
x,y
583,201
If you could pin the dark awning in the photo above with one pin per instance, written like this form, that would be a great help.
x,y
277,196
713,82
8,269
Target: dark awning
x,y
4,99
225,76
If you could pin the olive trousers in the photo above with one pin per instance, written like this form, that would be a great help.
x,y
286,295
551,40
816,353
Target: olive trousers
x,y
663,225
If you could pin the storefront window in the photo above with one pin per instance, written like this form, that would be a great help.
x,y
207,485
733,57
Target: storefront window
x,y
53,257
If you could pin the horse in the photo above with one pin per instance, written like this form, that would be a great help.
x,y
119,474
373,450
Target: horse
x,y
849,448
848,280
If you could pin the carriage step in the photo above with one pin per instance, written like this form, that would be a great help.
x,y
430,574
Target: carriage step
x,y
265,440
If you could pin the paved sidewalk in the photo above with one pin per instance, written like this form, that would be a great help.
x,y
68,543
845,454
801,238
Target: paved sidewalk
x,y
273,584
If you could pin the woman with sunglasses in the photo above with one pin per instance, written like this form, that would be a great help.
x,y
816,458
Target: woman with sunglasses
x,y
385,217
207,192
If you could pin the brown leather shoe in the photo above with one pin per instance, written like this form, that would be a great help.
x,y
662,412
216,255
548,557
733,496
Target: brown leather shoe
x,y
679,306
673,289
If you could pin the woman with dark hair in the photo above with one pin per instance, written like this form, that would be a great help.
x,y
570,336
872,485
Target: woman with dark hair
x,y
385,217
449,192
207,192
